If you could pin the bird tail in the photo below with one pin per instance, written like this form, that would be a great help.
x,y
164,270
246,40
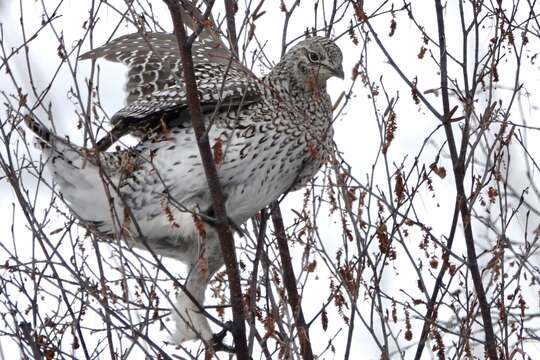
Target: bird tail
x,y
74,171
44,136
64,159
63,156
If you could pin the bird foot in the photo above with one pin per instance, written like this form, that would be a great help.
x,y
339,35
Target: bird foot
x,y
217,340
209,217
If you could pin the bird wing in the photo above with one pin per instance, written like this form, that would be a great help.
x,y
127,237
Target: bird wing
x,y
155,86
153,60
168,107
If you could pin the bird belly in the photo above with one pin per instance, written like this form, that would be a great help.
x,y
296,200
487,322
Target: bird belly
x,y
246,199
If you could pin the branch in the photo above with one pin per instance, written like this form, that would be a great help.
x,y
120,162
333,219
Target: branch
x,y
461,198
230,8
290,282
428,321
218,201
399,71
26,330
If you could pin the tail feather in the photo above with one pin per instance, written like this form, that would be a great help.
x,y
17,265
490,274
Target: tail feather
x,y
45,136
77,177
57,148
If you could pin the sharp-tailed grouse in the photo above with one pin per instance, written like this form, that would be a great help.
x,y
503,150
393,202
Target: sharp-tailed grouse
x,y
274,133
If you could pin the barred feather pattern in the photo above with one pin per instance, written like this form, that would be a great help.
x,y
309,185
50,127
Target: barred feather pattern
x,y
154,64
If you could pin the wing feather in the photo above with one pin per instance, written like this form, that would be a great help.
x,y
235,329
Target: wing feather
x,y
155,85
153,60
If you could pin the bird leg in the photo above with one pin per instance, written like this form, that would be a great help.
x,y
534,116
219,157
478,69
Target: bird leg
x,y
191,322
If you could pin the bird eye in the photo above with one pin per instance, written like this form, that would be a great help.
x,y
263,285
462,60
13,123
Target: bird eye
x,y
313,56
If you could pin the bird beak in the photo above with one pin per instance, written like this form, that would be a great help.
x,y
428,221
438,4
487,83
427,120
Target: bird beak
x,y
339,72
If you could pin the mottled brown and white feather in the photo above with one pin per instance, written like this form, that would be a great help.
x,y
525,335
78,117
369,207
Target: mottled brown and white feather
x,y
273,133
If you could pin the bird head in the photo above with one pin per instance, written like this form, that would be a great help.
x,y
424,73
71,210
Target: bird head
x,y
315,60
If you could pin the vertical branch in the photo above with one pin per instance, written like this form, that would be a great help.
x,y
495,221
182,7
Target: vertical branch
x,y
461,198
290,282
230,8
26,330
252,292
218,201
455,217
437,287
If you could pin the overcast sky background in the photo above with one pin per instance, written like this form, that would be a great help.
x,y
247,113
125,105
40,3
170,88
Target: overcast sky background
x,y
357,134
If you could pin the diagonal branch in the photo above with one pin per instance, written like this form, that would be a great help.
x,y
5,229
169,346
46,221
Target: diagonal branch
x,y
428,321
218,200
290,282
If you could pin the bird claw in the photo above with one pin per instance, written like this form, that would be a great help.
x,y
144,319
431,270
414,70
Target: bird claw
x,y
217,340
209,217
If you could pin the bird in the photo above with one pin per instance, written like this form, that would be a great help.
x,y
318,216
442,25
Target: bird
x,y
273,134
